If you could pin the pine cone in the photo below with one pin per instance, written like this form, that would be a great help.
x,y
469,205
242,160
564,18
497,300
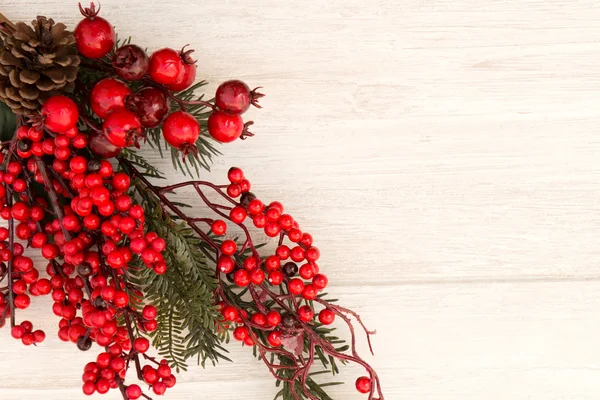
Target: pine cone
x,y
36,63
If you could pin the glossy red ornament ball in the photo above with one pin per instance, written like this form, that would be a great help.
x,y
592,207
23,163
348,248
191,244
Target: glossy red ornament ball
x,y
225,127
60,113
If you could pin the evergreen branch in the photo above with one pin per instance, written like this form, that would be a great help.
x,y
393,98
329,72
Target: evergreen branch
x,y
187,317
148,169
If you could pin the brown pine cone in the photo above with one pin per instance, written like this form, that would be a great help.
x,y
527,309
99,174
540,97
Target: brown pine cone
x,y
36,62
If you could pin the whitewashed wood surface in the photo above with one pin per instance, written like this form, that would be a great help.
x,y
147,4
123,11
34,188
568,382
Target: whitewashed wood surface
x,y
445,154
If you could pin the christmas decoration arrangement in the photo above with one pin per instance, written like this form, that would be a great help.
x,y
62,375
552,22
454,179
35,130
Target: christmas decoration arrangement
x,y
133,272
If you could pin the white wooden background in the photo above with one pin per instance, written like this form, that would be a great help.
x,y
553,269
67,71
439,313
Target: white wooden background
x,y
445,155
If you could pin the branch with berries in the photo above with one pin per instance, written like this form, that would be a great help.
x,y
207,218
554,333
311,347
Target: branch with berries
x,y
131,273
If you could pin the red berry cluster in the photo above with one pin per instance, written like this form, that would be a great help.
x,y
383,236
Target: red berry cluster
x,y
291,267
126,114
233,98
90,236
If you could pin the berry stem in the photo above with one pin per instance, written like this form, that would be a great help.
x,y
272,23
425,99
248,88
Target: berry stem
x,y
53,197
11,241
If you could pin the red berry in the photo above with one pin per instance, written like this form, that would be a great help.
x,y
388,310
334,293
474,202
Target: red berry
x,y
305,313
296,286
225,127
150,105
149,312
307,271
274,338
122,128
235,175
60,113
218,227
130,62
235,97
121,181
257,276
159,388
240,333
363,384
121,299
100,146
320,281
326,316
273,318
272,263
150,375
234,190
275,277
309,292
141,345
94,36
312,254
22,301
187,74
133,392
165,66
237,214
230,313
228,247
226,264
17,332
241,278
108,95
89,388
181,130
164,371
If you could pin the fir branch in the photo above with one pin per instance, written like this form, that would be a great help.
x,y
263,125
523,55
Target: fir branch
x,y
147,169
183,296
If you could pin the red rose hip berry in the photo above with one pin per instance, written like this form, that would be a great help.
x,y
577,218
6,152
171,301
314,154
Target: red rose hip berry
x,y
234,97
108,95
150,105
122,128
94,36
181,130
187,74
60,113
225,127
165,66
130,62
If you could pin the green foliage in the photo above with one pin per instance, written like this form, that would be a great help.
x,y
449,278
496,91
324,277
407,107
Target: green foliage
x,y
142,164
8,122
188,320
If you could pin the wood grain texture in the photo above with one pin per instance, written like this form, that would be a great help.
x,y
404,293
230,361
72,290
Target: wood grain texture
x,y
445,155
